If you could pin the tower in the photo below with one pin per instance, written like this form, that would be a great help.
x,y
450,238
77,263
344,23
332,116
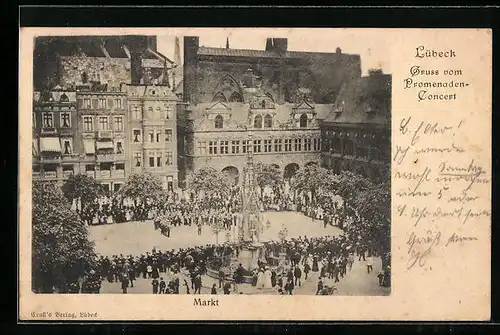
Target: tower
x,y
177,71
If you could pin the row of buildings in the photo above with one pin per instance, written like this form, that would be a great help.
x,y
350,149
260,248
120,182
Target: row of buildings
x,y
117,106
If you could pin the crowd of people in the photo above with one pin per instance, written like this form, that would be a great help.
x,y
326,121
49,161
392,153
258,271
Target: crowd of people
x,y
329,256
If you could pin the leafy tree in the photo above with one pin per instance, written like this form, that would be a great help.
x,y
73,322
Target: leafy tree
x,y
268,175
87,191
374,206
209,181
350,185
61,249
312,178
143,188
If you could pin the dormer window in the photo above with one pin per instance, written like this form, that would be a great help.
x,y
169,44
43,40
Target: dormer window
x,y
219,122
303,121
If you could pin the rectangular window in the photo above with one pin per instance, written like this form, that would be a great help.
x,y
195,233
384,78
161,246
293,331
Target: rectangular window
x,y
88,123
298,144
168,135
277,145
212,147
48,120
137,136
65,121
118,103
169,158
256,146
151,135
235,147
138,159
151,159
307,144
202,148
102,103
245,146
79,103
168,111
86,103
118,122
288,144
67,146
95,103
119,167
267,146
158,159
119,147
136,112
224,147
158,136
103,123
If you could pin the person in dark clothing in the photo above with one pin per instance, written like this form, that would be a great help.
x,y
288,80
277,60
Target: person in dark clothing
x,y
163,285
307,269
320,286
273,278
222,275
124,285
227,288
289,286
214,289
298,275
197,284
280,282
155,286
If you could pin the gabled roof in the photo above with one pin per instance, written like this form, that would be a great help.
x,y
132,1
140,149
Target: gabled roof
x,y
211,51
355,97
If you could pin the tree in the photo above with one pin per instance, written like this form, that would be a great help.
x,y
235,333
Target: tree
x,y
209,181
217,226
374,206
143,188
310,179
85,190
268,175
350,185
61,249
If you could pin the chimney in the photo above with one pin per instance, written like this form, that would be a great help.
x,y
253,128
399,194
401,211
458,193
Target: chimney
x,y
375,72
280,44
136,67
151,42
338,51
269,44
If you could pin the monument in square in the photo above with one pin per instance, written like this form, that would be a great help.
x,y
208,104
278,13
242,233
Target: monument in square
x,y
251,225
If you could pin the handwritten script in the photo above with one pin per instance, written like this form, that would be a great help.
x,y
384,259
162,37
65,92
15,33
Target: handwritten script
x,y
444,182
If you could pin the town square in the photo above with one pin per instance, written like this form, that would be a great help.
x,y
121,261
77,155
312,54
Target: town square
x,y
219,170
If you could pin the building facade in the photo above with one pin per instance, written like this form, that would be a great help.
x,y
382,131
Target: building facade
x,y
274,98
357,134
108,100
153,132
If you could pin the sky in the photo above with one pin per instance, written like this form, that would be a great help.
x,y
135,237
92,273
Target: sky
x,y
369,44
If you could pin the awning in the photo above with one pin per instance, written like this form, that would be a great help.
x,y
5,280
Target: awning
x,y
89,146
105,145
50,144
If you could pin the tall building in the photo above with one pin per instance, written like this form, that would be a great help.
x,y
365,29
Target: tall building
x,y
280,97
153,132
356,135
83,121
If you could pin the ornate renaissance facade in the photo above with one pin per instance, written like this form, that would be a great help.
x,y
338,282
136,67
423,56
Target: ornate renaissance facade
x,y
279,96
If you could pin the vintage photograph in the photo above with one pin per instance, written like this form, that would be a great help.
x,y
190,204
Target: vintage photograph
x,y
215,165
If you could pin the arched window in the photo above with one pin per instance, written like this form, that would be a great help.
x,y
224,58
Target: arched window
x,y
263,104
219,122
303,121
268,121
219,97
257,122
85,77
235,97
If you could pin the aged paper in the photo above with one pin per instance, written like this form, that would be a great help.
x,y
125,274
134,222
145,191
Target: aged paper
x,y
440,169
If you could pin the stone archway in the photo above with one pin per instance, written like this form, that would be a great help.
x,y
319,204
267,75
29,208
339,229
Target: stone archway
x,y
232,174
290,170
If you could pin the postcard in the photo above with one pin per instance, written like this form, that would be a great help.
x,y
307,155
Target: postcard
x,y
254,174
